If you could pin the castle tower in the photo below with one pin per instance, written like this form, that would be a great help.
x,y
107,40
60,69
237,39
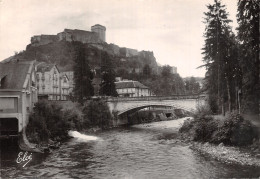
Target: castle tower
x,y
101,30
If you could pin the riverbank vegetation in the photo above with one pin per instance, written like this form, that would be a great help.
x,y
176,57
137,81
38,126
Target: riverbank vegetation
x,y
52,120
230,138
232,129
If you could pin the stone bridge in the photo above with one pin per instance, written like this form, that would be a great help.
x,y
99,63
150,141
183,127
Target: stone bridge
x,y
122,105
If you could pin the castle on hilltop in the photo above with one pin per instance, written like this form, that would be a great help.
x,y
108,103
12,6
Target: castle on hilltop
x,y
96,35
96,38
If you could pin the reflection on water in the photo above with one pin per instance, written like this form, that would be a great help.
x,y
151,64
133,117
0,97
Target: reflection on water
x,y
141,151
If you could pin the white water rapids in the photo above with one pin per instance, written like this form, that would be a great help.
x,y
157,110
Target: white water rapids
x,y
82,137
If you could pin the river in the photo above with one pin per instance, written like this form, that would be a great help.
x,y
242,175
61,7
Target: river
x,y
141,151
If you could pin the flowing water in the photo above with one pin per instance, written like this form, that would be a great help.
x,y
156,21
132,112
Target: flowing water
x,y
141,151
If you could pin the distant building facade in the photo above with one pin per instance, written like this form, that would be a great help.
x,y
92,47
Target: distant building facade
x,y
131,88
64,87
18,94
52,84
48,78
70,76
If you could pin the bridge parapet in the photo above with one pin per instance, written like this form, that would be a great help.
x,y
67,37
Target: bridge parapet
x,y
152,98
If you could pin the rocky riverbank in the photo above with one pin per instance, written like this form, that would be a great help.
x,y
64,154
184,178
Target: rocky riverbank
x,y
249,156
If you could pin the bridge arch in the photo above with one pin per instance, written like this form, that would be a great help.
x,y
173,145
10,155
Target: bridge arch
x,y
133,109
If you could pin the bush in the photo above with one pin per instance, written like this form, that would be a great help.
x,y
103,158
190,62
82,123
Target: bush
x,y
202,111
235,130
204,128
48,120
97,114
232,130
187,125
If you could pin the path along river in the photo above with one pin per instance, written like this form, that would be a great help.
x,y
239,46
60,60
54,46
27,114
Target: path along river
x,y
141,151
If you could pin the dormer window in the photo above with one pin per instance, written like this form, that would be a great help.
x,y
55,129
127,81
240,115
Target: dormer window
x,y
2,81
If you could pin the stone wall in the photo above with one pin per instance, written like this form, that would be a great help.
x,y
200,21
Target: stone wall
x,y
128,52
67,35
43,39
79,35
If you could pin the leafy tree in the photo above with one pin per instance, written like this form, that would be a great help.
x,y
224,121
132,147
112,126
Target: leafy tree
x,y
108,87
191,86
248,35
166,70
82,74
97,113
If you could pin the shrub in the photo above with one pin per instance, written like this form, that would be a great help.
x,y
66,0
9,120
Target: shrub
x,y
235,130
97,114
187,125
204,128
48,120
202,111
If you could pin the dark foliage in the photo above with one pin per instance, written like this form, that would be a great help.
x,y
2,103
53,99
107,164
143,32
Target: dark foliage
x,y
235,130
97,114
107,86
220,58
232,130
249,61
49,121
82,74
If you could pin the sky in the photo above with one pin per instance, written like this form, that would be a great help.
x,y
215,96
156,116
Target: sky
x,y
172,29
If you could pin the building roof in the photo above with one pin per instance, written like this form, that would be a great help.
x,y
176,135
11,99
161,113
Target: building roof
x,y
13,75
98,25
130,84
45,67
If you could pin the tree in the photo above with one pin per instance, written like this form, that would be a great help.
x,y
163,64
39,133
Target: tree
x,y
82,74
248,35
191,86
97,113
219,45
166,71
147,70
107,86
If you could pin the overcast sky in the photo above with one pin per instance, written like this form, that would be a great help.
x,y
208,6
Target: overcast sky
x,y
172,29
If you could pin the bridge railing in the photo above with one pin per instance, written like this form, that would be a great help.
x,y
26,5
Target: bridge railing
x,y
151,98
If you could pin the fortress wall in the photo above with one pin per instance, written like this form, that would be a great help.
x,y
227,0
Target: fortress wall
x,y
79,35
43,39
128,52
131,52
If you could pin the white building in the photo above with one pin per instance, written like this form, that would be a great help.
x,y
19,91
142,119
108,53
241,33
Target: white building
x,y
51,83
131,88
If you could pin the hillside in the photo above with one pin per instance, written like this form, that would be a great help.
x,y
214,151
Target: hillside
x,y
127,63
61,53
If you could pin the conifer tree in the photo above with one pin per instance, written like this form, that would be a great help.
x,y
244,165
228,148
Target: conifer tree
x,y
248,35
82,74
107,86
219,45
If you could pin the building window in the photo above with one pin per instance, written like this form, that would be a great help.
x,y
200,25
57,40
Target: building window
x,y
37,77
